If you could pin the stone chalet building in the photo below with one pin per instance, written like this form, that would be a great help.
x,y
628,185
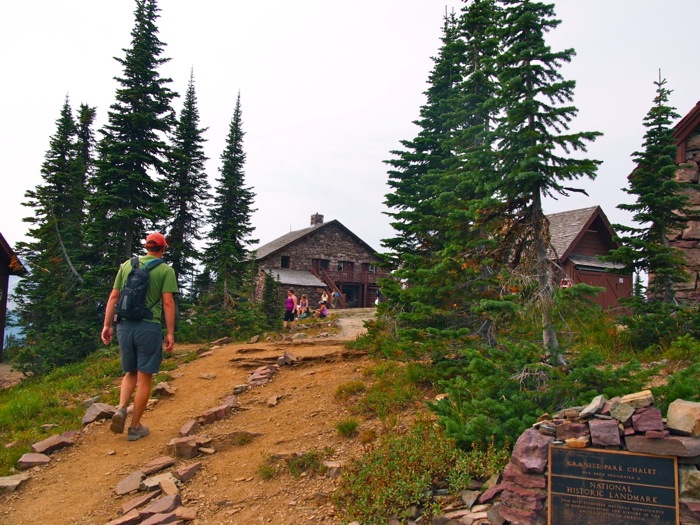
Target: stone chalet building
x,y
687,136
326,256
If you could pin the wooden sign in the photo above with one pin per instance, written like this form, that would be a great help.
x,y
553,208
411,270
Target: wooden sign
x,y
596,486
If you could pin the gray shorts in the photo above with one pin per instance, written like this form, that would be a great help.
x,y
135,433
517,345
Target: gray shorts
x,y
141,346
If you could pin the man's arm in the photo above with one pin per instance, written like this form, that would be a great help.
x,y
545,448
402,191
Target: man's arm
x,y
110,310
169,315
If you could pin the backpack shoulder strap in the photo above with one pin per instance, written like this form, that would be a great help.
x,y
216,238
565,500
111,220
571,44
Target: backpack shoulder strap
x,y
135,262
152,264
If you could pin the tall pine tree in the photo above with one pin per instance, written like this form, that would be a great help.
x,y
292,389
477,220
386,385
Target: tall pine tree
x,y
660,207
227,251
53,314
187,191
534,147
412,199
128,197
414,178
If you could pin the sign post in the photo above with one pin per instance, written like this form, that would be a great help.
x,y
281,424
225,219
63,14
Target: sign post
x,y
596,486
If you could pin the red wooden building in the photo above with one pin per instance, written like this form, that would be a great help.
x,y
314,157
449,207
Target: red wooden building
x,y
9,265
579,238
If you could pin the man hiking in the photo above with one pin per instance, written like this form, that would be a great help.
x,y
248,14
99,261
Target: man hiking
x,y
139,330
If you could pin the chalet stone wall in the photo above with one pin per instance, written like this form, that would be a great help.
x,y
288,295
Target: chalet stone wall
x,y
332,243
688,240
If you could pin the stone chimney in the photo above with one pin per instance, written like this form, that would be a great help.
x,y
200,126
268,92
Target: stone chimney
x,y
316,219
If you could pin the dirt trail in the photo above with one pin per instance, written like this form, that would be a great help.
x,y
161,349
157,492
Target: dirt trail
x,y
77,487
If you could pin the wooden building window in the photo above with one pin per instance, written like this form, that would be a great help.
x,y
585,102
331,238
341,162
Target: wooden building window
x,y
285,261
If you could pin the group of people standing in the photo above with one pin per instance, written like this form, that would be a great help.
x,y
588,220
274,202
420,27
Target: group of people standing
x,y
300,308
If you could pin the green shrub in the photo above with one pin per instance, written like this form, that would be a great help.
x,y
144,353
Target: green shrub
x,y
391,392
479,463
684,351
309,462
499,393
397,474
347,427
350,389
659,324
684,384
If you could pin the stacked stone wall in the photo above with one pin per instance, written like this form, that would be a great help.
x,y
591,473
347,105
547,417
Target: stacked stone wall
x,y
688,240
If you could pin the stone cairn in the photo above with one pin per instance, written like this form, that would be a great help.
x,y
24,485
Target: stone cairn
x,y
629,423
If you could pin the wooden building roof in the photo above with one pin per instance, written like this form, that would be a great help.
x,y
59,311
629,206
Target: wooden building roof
x,y
683,130
291,237
9,262
568,228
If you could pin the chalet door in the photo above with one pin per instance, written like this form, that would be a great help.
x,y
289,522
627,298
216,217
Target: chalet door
x,y
352,295
616,287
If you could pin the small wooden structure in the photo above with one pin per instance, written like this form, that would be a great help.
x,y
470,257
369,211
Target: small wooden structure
x,y
9,265
579,238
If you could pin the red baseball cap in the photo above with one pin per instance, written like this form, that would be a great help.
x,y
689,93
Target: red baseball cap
x,y
156,240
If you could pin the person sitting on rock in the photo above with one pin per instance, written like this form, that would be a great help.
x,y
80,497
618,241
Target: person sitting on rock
x,y
303,307
321,311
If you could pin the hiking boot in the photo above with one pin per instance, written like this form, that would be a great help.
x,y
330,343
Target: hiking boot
x,y
136,433
118,420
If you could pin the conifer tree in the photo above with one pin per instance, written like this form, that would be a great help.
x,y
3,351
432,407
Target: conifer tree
x,y
415,179
534,147
128,196
660,207
187,191
52,312
227,251
412,199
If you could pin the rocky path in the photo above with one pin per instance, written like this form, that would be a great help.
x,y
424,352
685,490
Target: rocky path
x,y
296,412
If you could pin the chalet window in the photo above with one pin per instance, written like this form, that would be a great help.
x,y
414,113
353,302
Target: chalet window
x,y
320,264
367,267
285,261
345,266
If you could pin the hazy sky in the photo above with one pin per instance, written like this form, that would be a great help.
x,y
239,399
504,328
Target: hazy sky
x,y
328,89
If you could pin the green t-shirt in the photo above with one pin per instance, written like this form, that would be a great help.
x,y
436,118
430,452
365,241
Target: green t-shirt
x,y
160,279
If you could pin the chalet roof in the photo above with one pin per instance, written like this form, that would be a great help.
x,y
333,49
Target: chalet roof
x,y
687,124
296,277
291,237
11,263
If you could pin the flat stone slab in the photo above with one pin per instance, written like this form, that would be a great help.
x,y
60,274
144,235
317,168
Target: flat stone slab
x,y
10,483
683,417
32,459
593,407
55,442
682,446
139,501
131,483
187,472
605,432
641,399
622,412
158,464
162,506
98,411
